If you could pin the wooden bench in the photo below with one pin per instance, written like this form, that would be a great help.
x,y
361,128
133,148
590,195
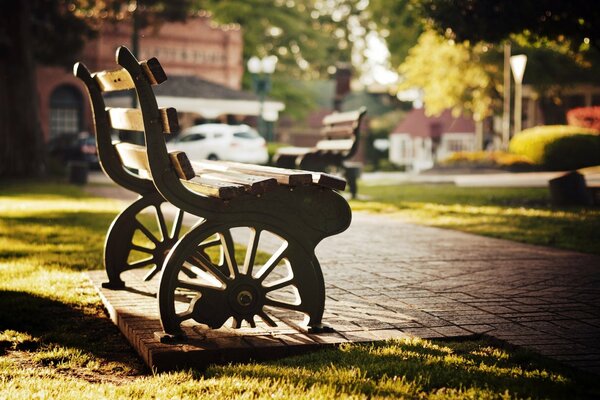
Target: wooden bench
x,y
339,142
206,274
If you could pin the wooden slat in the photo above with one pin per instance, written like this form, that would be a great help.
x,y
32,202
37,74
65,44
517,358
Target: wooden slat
x,y
293,151
254,184
133,156
283,176
337,118
329,181
338,131
130,119
115,80
335,145
213,188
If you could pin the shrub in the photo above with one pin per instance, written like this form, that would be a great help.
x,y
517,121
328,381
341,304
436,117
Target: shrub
x,y
489,159
586,117
558,147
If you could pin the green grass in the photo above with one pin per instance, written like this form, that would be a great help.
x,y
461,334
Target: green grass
x,y
56,341
520,214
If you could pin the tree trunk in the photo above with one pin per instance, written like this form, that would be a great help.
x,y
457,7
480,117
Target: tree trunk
x,y
21,140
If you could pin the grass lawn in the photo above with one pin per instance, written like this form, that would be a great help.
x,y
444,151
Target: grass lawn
x,y
519,214
57,343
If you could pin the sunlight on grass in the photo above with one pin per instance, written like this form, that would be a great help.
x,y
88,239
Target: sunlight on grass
x,y
516,214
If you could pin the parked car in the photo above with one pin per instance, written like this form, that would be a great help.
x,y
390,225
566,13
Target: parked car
x,y
239,143
71,147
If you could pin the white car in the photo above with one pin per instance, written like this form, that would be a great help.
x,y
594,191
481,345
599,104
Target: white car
x,y
239,143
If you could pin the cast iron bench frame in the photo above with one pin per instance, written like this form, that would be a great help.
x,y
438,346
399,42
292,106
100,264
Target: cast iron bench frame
x,y
339,143
300,207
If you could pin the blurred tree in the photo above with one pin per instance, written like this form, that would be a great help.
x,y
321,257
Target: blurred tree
x,y
575,21
451,76
400,23
50,32
308,36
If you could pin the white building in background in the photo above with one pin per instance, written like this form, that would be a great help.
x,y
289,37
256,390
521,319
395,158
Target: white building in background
x,y
419,141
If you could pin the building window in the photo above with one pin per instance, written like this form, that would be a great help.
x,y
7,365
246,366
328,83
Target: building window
x,y
455,145
65,111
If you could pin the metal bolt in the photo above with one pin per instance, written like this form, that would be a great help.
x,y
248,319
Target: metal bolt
x,y
244,298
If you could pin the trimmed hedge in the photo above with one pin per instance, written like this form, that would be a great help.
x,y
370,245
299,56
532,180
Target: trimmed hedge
x,y
488,159
586,117
558,147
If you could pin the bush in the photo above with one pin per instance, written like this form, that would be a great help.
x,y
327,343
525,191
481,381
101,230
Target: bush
x,y
558,147
586,117
488,159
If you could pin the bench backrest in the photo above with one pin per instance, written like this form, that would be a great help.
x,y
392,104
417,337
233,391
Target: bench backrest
x,y
341,132
118,158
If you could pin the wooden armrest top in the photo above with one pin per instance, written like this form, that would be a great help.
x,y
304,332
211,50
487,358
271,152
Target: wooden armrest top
x,y
293,151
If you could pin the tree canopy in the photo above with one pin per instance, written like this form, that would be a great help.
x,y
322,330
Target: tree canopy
x,y
576,21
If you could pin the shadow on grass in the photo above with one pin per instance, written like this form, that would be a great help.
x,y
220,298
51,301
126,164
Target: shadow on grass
x,y
55,323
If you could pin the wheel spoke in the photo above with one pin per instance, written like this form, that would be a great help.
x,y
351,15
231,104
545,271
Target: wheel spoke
x,y
146,232
272,263
152,272
210,243
279,284
142,249
251,252
229,251
189,272
177,224
287,306
200,261
164,231
196,287
139,264
265,317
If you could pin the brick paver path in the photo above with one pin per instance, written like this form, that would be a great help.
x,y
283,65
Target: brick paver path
x,y
430,282
386,278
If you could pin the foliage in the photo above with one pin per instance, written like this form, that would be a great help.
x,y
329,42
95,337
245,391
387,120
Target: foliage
x,y
586,117
519,214
575,21
399,22
450,74
558,147
488,159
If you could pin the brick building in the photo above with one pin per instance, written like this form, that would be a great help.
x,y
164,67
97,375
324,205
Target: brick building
x,y
208,55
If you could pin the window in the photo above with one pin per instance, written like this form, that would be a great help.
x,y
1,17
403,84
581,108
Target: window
x,y
65,111
246,135
192,137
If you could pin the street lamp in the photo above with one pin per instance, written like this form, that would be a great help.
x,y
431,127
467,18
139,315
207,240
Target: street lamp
x,y
517,64
261,70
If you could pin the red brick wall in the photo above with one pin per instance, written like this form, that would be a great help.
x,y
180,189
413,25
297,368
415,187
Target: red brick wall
x,y
197,47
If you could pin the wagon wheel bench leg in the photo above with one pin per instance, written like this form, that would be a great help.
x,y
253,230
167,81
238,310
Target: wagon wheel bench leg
x,y
239,288
123,250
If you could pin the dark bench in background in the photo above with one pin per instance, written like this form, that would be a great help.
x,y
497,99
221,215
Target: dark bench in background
x,y
205,275
339,143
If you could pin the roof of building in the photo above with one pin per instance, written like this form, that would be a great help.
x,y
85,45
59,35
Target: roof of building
x,y
194,87
417,123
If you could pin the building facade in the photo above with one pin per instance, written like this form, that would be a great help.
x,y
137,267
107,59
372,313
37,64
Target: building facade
x,y
197,48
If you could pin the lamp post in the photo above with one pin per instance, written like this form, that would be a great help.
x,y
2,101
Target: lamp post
x,y
517,64
261,70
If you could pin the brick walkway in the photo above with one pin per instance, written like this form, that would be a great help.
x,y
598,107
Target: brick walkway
x,y
386,278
